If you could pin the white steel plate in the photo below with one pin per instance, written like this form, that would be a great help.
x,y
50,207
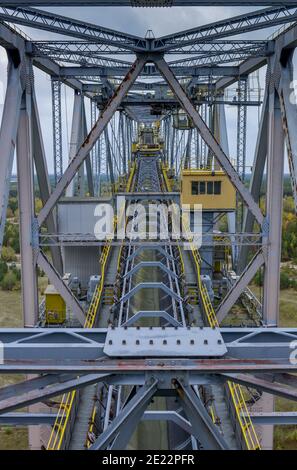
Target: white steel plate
x,y
168,342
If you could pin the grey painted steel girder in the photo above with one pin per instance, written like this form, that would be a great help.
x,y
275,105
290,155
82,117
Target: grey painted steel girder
x,y
128,418
145,3
280,418
63,25
83,48
152,314
239,285
35,419
208,137
108,66
205,431
240,24
87,344
27,419
150,264
206,70
230,27
92,138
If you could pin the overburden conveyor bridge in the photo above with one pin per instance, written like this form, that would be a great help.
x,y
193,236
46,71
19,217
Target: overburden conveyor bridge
x,y
149,342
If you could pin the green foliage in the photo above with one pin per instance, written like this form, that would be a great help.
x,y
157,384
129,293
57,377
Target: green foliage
x,y
289,230
258,279
289,205
284,280
13,204
11,236
8,254
9,281
3,269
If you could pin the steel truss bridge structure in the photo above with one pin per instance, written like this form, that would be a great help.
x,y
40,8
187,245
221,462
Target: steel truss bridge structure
x,y
150,345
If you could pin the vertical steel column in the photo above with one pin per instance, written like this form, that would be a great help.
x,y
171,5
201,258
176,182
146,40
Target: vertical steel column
x,y
188,150
89,171
39,157
75,140
57,128
256,177
122,133
109,165
274,202
172,147
8,132
241,146
203,151
26,217
94,151
241,126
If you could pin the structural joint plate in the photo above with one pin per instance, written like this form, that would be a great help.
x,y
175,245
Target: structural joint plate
x,y
165,342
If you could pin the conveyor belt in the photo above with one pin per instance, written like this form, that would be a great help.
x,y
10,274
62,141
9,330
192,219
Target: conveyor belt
x,y
142,299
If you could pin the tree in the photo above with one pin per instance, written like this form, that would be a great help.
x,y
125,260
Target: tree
x,y
3,269
284,281
258,279
8,254
9,281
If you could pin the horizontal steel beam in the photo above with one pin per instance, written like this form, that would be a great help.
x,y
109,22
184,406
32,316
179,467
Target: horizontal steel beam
x,y
43,393
149,71
27,419
82,344
145,3
233,26
272,388
280,418
141,366
70,27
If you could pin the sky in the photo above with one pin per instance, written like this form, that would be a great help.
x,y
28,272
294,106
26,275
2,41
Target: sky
x,y
137,21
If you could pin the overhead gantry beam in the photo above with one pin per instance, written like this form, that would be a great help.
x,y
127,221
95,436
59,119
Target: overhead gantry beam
x,y
145,3
52,22
228,27
84,346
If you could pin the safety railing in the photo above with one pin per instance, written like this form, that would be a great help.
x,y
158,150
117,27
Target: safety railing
x,y
94,412
66,408
236,392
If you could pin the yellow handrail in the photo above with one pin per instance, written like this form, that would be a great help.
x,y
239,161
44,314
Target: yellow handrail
x,y
242,413
128,189
64,412
68,399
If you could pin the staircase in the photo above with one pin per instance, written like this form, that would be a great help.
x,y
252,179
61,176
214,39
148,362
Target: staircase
x,y
82,421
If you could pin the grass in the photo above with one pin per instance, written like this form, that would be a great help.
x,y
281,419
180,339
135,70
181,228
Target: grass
x,y
11,317
285,437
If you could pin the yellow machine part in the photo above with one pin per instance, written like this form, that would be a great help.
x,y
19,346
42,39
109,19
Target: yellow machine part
x,y
212,189
55,307
134,147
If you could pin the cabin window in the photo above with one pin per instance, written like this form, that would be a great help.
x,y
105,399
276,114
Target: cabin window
x,y
217,187
206,187
202,187
195,188
210,187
